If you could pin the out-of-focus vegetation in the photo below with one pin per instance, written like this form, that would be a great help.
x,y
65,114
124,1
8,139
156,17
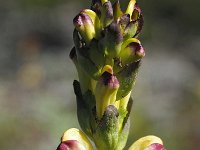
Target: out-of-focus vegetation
x,y
37,103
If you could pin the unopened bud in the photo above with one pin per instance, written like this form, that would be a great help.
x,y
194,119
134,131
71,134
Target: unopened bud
x,y
105,93
83,23
95,20
132,53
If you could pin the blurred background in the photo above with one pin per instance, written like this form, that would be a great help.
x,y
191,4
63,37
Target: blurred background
x,y
37,103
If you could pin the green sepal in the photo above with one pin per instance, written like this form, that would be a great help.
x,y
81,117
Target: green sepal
x,y
106,134
127,77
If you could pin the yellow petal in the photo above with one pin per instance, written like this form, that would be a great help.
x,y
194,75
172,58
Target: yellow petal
x,y
144,142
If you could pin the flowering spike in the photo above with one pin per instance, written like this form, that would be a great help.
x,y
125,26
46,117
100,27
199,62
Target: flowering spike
x,y
107,57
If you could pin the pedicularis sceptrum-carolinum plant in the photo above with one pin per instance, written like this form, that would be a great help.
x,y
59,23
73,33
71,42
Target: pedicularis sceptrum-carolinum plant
x,y
107,55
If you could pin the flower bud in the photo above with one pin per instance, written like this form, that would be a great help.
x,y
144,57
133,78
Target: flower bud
x,y
105,93
132,53
147,143
95,19
83,23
